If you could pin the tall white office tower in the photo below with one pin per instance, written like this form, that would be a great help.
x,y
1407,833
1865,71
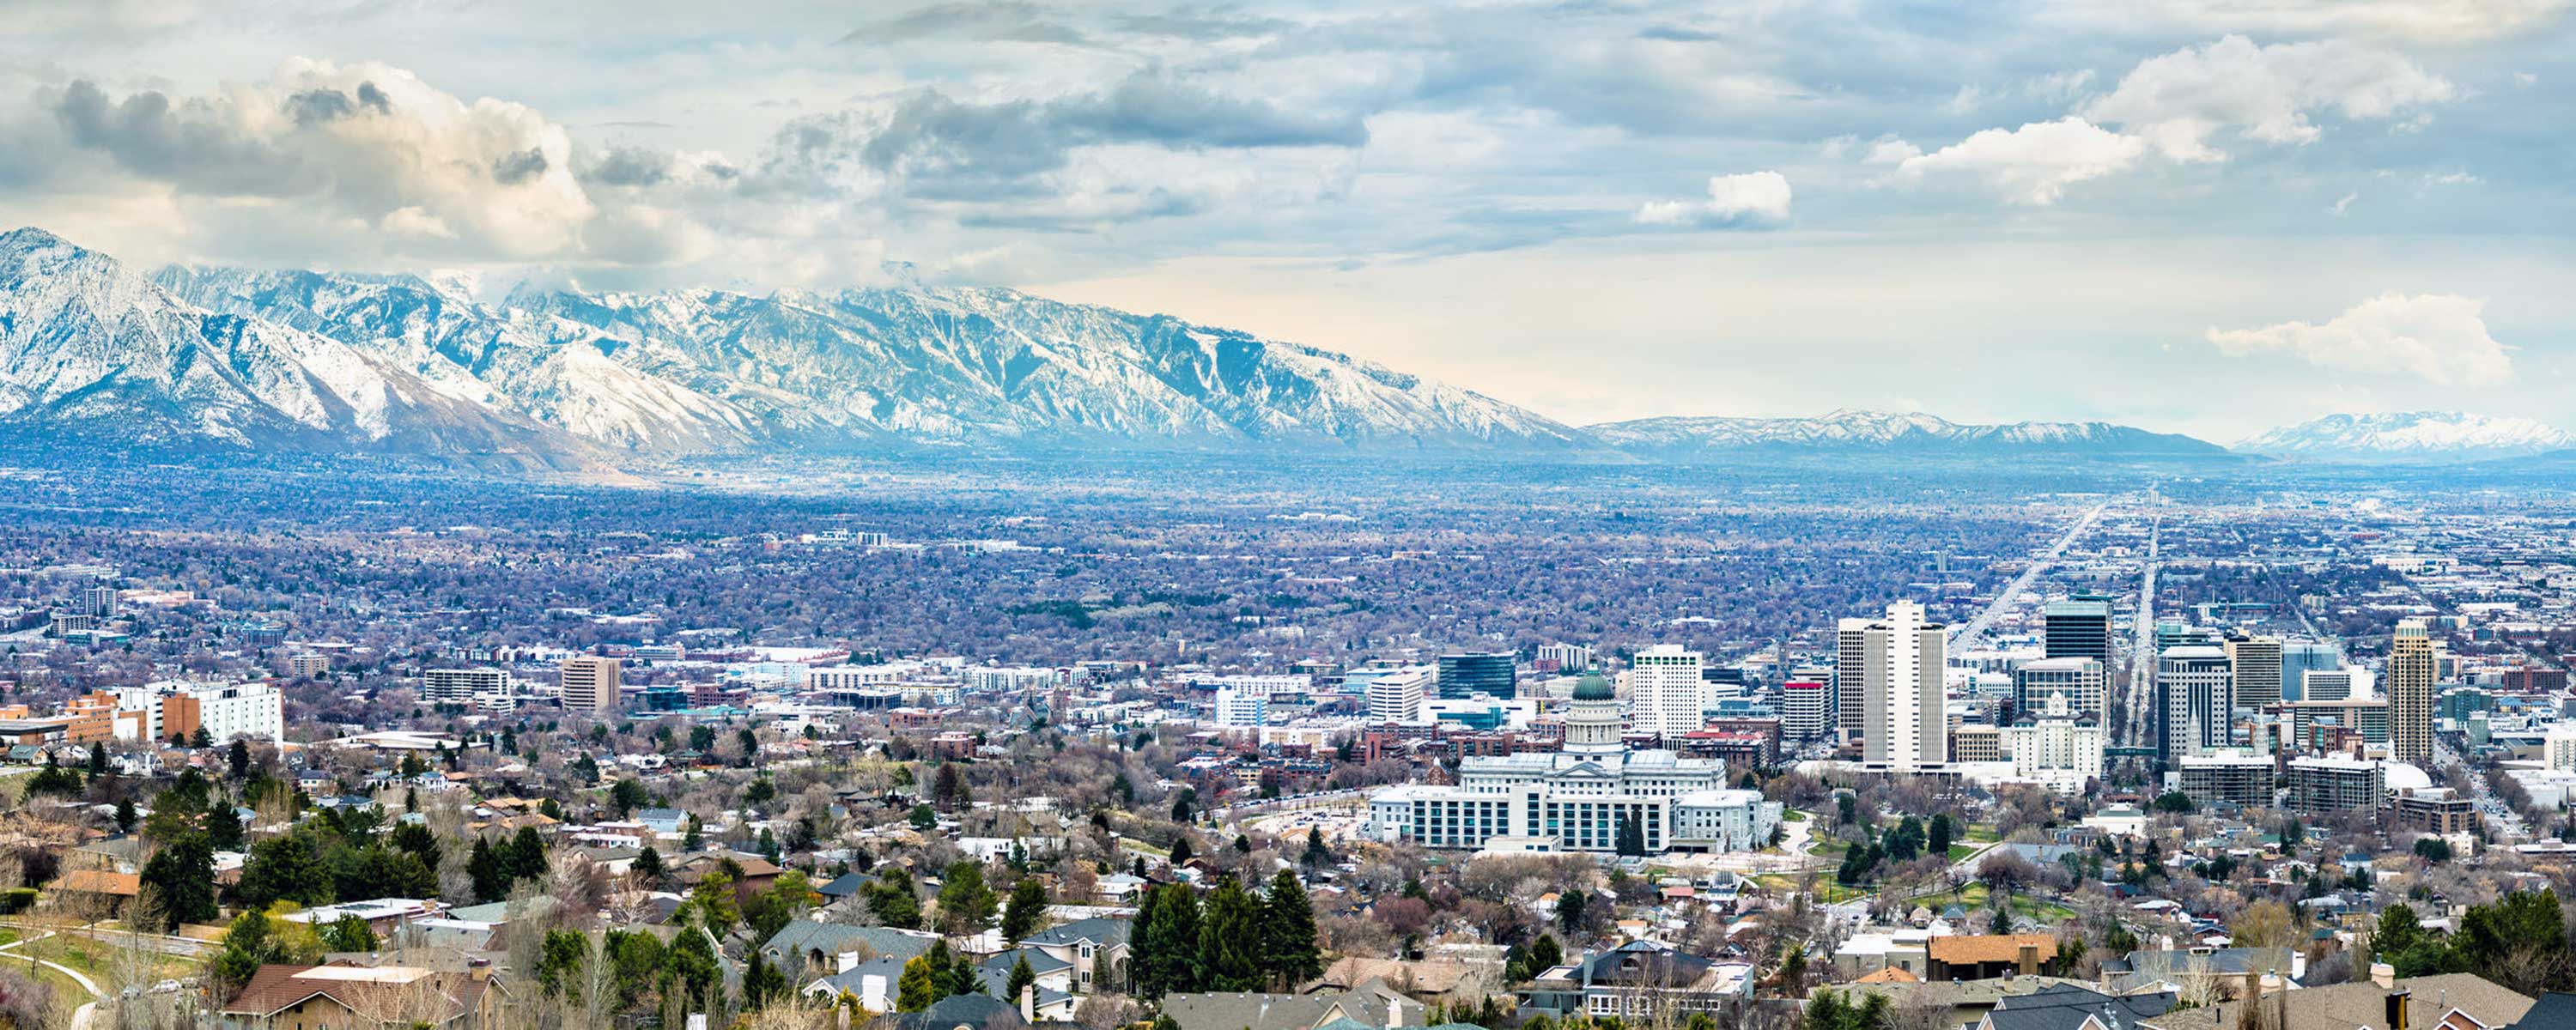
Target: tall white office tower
x,y
1664,688
1906,724
2414,665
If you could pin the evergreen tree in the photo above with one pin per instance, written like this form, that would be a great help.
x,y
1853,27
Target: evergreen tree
x,y
527,860
182,875
1289,952
1181,850
893,900
1026,908
236,758
97,759
1632,836
965,904
1022,978
1230,940
348,933
648,865
1169,961
1316,855
1941,833
125,815
491,879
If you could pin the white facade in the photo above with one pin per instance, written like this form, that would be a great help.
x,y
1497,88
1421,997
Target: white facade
x,y
226,711
1240,708
2060,754
2080,681
2558,748
1397,696
1806,710
1581,798
1567,657
1664,690
1906,722
458,686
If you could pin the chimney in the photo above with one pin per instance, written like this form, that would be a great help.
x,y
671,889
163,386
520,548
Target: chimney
x,y
845,961
2383,974
2397,1010
1394,1010
1029,1004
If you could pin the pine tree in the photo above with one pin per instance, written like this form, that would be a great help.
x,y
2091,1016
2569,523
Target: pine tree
x,y
1317,855
965,904
1230,940
1168,960
1290,955
1022,978
1181,850
491,878
1027,907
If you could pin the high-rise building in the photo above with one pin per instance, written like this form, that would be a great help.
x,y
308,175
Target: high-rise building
x,y
1806,707
1906,722
1467,674
2298,657
458,686
1664,691
590,683
2331,784
1240,709
2079,681
2238,780
2255,662
2078,629
2413,669
2340,684
1851,657
1397,696
99,601
2194,696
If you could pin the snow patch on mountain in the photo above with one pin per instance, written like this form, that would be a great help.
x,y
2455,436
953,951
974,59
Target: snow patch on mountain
x,y
1849,429
2409,435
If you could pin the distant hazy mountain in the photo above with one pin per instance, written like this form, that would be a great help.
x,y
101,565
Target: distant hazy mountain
x,y
2412,435
92,350
702,370
1861,431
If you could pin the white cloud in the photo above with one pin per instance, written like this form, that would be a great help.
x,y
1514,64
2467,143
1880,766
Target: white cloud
x,y
2344,206
2454,21
2439,338
1750,200
2031,165
2179,101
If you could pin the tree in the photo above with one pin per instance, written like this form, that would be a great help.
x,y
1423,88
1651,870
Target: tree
x,y
1230,940
1828,1011
97,759
1026,909
2263,924
1180,851
287,867
965,904
182,875
626,796
490,877
2173,801
1569,909
2397,932
1167,959
1316,855
648,865
1940,835
762,983
924,817
714,899
2433,849
892,899
771,910
948,789
1022,978
126,815
1289,952
559,961
348,933
236,758
1632,836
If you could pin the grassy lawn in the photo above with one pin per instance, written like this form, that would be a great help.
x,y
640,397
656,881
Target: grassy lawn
x,y
1975,898
1795,816
1960,852
1980,833
1827,891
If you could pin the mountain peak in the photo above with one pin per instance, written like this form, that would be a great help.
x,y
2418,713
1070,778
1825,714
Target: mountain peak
x,y
2409,435
1846,429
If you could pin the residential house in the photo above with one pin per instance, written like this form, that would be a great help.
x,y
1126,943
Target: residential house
x,y
288,997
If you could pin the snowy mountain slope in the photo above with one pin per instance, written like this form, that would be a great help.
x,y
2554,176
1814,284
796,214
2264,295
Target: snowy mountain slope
x,y
1870,430
91,348
708,370
2409,436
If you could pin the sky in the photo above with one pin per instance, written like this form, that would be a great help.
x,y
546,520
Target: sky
x,y
2190,215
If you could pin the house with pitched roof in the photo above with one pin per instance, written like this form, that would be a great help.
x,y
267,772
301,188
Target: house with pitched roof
x,y
288,997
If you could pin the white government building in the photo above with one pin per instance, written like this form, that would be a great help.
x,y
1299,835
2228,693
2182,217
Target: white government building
x,y
1579,798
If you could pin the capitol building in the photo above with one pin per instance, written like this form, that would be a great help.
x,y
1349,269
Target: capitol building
x,y
1579,799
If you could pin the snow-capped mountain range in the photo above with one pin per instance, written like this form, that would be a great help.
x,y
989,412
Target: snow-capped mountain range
x,y
1876,430
2411,435
91,349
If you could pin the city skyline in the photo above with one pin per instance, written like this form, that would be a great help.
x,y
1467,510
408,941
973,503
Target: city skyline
x,y
2157,216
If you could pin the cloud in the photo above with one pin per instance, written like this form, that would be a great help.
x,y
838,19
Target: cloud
x,y
2031,165
2438,338
1750,200
361,143
2180,101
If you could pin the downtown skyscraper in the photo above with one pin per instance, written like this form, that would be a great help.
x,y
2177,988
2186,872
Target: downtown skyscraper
x,y
2413,666
1905,724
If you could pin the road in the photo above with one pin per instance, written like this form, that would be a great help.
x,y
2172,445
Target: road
x,y
1969,635
2507,823
2141,696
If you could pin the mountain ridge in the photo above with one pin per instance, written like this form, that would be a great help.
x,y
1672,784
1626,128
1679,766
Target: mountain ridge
x,y
2408,436
1912,432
